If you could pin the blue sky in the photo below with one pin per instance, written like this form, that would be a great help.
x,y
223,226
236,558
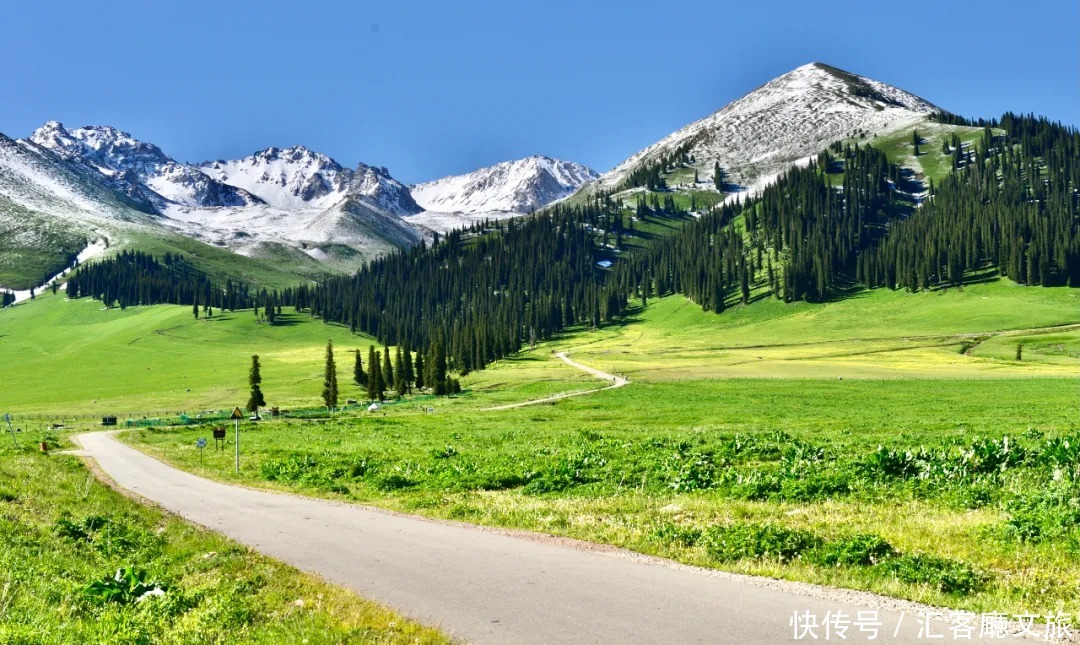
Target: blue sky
x,y
434,88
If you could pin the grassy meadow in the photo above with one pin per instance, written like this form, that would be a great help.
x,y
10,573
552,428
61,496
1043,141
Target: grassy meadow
x,y
887,441
970,333
952,492
77,357
64,536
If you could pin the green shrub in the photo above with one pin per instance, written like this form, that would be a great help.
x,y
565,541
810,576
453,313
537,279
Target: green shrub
x,y
692,472
1051,513
855,551
890,463
684,536
947,576
394,481
129,585
1060,451
326,473
731,542
445,453
79,531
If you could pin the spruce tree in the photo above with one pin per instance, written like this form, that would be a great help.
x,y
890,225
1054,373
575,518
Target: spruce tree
x,y
399,374
420,372
387,369
359,376
410,375
374,377
439,369
718,176
330,389
256,400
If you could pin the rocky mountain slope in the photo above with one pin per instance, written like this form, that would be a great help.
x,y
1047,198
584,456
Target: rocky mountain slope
x,y
272,200
505,189
786,120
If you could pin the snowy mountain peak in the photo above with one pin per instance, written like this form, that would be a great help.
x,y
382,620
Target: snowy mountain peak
x,y
511,187
790,118
288,178
136,168
379,187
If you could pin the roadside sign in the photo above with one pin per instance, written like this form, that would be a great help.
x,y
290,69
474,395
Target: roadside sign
x,y
200,443
237,414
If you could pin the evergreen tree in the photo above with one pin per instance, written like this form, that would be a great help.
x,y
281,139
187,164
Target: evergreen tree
x,y
410,375
718,176
387,369
420,382
330,387
400,385
374,377
359,376
256,400
438,372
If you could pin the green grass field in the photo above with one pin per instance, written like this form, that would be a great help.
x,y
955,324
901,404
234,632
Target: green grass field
x,y
76,357
667,468
886,441
61,532
969,333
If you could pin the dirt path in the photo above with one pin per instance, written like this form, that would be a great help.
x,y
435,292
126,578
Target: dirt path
x,y
616,381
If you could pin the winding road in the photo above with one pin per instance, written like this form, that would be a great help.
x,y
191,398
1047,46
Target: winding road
x,y
483,585
489,586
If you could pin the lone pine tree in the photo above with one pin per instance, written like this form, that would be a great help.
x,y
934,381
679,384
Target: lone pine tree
x,y
256,400
330,388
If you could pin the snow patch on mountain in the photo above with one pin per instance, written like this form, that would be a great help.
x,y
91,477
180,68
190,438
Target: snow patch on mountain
x,y
506,189
289,178
517,186
787,119
93,250
135,166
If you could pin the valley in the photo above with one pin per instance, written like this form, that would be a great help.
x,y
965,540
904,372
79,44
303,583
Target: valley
x,y
828,335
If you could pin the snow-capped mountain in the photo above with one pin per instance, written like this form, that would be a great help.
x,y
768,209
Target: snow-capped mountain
x,y
52,209
784,121
274,199
517,186
135,166
285,178
507,189
298,178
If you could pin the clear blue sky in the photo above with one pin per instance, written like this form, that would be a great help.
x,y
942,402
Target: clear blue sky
x,y
433,88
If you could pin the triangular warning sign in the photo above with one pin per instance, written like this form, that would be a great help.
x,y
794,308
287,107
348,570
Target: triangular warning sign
x,y
237,413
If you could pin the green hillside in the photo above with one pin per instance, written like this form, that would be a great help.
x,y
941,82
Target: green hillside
x,y
960,333
74,356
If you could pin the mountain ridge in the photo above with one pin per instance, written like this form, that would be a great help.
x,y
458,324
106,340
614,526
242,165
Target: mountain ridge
x,y
782,122
506,189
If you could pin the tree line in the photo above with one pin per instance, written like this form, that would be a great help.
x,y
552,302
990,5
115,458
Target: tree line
x,y
849,219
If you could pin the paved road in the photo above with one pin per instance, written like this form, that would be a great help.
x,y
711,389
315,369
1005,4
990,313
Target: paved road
x,y
616,381
485,586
